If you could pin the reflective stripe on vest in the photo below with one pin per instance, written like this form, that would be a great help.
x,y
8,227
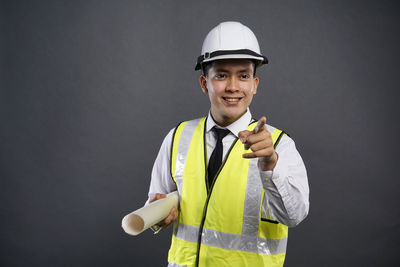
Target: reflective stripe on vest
x,y
233,242
184,133
233,222
173,264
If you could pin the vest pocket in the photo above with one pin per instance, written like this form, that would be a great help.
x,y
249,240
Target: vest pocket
x,y
269,220
271,229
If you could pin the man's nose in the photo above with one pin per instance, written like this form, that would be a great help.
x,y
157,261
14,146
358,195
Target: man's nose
x,y
233,84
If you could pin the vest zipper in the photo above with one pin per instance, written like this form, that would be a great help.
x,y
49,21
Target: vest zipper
x,y
209,194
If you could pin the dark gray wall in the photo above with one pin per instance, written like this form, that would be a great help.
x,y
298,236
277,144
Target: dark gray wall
x,y
90,88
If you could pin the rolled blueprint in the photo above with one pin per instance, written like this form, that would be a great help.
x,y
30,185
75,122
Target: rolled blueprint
x,y
136,222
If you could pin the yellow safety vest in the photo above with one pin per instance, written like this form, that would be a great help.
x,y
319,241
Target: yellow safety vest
x,y
220,224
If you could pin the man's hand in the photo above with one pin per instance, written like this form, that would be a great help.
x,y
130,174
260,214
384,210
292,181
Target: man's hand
x,y
260,142
173,213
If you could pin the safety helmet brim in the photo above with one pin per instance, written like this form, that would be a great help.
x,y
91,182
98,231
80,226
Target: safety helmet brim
x,y
231,54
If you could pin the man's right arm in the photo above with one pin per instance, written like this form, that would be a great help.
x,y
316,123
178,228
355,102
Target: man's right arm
x,y
161,181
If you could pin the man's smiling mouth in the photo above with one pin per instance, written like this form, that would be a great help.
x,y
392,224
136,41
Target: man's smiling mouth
x,y
232,99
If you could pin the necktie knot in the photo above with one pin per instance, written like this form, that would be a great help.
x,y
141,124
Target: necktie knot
x,y
221,133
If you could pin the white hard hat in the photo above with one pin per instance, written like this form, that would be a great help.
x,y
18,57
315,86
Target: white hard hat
x,y
230,40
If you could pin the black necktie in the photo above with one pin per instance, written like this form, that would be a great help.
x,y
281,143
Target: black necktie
x,y
216,156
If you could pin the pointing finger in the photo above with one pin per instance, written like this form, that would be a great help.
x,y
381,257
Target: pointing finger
x,y
260,124
243,135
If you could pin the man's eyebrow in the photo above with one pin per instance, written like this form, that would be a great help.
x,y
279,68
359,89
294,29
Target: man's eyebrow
x,y
245,70
221,70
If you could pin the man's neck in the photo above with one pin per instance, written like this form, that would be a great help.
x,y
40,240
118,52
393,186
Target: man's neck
x,y
224,122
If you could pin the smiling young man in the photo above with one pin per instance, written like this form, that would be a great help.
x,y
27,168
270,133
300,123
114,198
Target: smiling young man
x,y
230,85
241,182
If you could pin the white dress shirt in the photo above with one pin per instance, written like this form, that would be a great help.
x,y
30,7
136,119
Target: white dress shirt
x,y
286,186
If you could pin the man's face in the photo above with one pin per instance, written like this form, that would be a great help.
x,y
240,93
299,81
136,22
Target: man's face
x,y
230,85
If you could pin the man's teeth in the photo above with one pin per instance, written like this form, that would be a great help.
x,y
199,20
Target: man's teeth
x,y
232,99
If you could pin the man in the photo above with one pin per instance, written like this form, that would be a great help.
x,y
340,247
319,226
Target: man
x,y
237,198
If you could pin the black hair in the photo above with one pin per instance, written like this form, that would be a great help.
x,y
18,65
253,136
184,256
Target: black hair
x,y
205,67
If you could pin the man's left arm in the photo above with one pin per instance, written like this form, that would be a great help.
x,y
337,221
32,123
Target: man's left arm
x,y
282,172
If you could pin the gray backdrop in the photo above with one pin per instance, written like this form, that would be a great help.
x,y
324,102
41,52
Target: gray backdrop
x,y
89,89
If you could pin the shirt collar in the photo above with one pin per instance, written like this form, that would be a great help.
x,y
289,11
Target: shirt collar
x,y
239,125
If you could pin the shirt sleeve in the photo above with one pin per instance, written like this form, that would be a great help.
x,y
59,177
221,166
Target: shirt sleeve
x,y
161,180
286,186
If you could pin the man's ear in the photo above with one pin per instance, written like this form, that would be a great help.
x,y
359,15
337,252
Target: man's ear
x,y
203,84
256,81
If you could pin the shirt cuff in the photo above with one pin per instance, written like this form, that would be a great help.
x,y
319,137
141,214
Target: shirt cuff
x,y
272,180
268,175
156,229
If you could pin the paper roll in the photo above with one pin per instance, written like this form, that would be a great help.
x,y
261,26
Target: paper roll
x,y
138,221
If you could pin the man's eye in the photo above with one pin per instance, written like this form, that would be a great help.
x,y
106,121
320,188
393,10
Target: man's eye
x,y
244,76
220,76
